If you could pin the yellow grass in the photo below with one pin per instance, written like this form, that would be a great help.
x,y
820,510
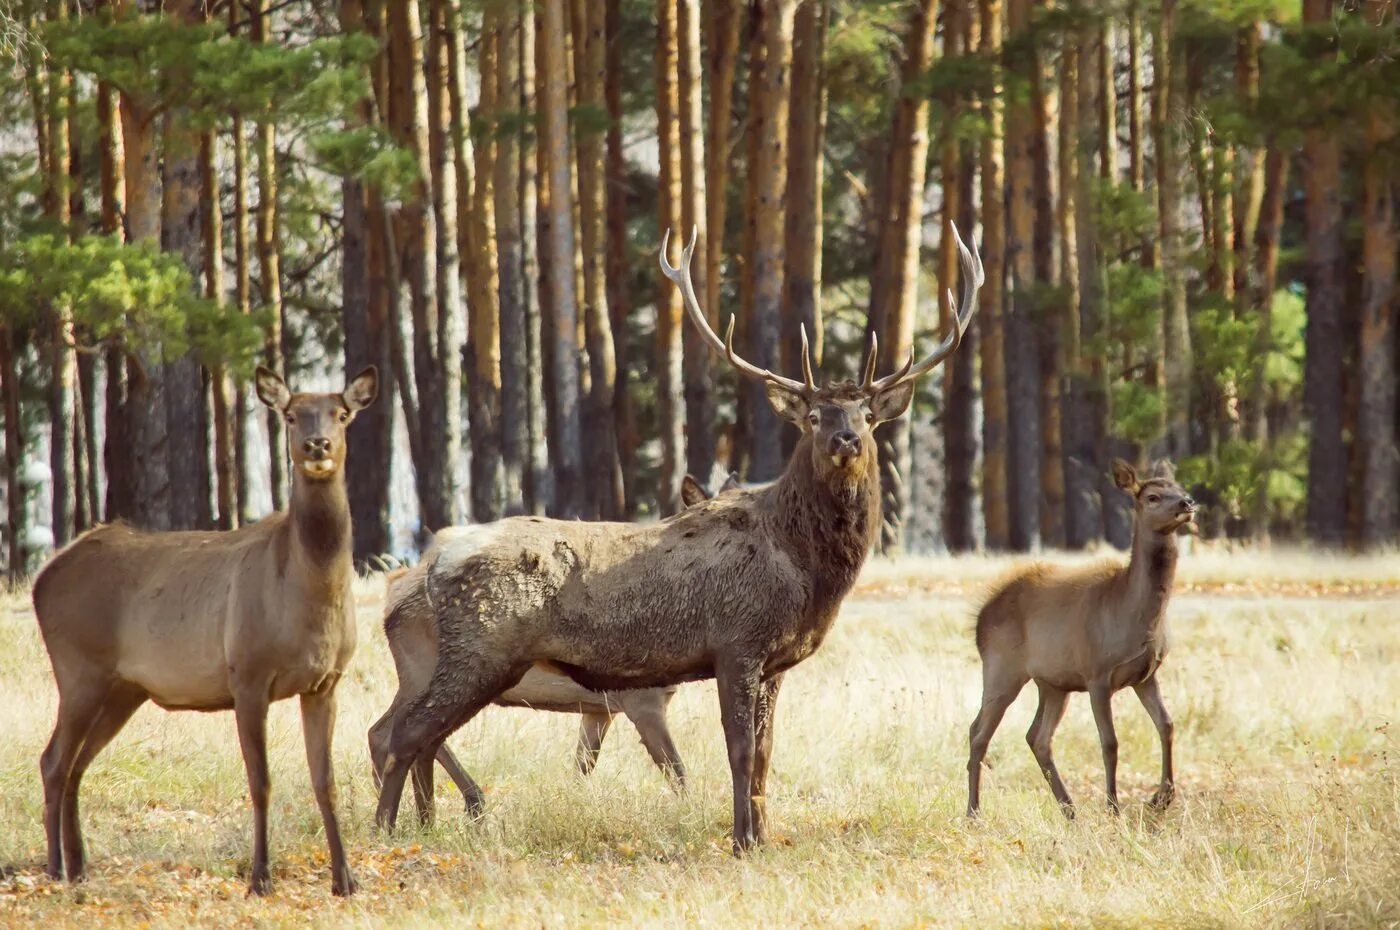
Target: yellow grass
x,y
1288,814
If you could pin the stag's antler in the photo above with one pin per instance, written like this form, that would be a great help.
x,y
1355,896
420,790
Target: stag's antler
x,y
973,276
680,276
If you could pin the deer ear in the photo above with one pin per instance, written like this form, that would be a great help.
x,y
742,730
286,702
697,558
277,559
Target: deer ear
x,y
272,390
1164,469
691,491
786,403
730,484
891,404
362,389
1125,476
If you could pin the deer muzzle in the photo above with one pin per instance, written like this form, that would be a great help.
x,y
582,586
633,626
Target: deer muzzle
x,y
844,448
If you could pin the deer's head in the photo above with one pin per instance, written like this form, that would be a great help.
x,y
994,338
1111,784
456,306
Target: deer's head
x,y
838,417
316,422
1162,505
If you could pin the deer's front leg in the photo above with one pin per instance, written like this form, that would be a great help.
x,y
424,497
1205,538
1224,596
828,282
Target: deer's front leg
x,y
1151,698
1101,699
318,724
763,755
738,694
250,710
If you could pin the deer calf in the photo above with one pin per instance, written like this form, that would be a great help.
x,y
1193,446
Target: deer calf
x,y
210,621
1096,629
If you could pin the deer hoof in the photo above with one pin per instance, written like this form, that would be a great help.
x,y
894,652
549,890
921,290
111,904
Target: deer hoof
x,y
1067,808
343,885
1163,798
260,885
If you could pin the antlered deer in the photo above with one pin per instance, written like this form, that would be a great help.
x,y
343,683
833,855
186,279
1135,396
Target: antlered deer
x,y
739,588
211,621
1097,629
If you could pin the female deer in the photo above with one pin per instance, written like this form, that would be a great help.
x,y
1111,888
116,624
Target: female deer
x,y
1096,629
211,621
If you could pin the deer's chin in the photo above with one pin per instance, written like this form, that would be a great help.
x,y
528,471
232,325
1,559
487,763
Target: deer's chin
x,y
319,469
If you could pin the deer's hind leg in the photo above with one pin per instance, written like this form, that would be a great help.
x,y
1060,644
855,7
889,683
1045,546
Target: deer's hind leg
x,y
461,687
1041,735
1151,697
471,791
647,711
122,701
79,707
998,693
592,728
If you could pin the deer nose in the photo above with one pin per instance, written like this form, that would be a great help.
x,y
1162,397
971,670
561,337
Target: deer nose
x,y
845,442
1188,503
317,448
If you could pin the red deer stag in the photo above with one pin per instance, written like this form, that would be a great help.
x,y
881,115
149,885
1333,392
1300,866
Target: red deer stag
x,y
739,588
211,621
412,634
1097,629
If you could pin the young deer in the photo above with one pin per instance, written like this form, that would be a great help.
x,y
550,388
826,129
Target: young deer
x,y
211,621
739,588
1096,629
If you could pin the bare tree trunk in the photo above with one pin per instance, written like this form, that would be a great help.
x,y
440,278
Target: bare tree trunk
x,y
750,401
1081,468
17,524
500,101
668,357
697,371
225,479
554,92
619,296
590,64
62,462
1054,364
1176,334
116,450
803,230
1022,361
990,324
539,478
1381,476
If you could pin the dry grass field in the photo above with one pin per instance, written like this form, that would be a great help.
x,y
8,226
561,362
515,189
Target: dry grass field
x,y
1284,681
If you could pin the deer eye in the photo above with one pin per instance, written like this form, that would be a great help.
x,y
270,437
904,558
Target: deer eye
x,y
869,417
814,418
291,418
1153,498
344,416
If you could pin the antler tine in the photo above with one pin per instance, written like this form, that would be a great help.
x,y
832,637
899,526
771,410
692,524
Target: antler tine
x,y
680,276
807,361
973,275
869,377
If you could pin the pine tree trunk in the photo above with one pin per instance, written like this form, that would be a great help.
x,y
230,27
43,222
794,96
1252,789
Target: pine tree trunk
x,y
225,477
619,296
1054,364
17,524
750,401
62,462
604,468
990,322
539,478
668,356
1325,340
567,454
1176,335
1083,519
369,448
112,174
243,294
1022,357
697,366
1381,244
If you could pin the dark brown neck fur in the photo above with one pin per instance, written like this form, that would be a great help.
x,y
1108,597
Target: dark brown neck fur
x,y
1151,569
319,518
828,529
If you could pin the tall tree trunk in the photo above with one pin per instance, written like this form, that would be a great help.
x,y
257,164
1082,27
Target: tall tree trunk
x,y
806,136
1081,468
604,468
116,451
960,373
369,445
1176,334
990,321
539,478
270,269
1023,386
1263,283
750,401
1381,244
1322,374
1135,137
619,296
1054,364
668,357
225,477
698,372
62,462
16,523
567,455
500,102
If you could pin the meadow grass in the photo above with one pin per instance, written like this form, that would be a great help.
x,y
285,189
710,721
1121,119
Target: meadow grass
x,y
1287,759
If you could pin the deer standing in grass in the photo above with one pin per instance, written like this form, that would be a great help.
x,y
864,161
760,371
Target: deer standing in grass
x,y
412,634
739,588
1097,629
211,621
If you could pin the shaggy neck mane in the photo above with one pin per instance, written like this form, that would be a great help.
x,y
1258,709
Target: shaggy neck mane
x,y
828,523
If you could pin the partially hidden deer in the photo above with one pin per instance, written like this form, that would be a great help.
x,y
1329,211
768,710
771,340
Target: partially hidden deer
x,y
1097,629
739,588
411,631
211,621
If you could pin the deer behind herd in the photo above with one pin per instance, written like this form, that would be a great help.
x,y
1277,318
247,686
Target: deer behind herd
x,y
589,618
